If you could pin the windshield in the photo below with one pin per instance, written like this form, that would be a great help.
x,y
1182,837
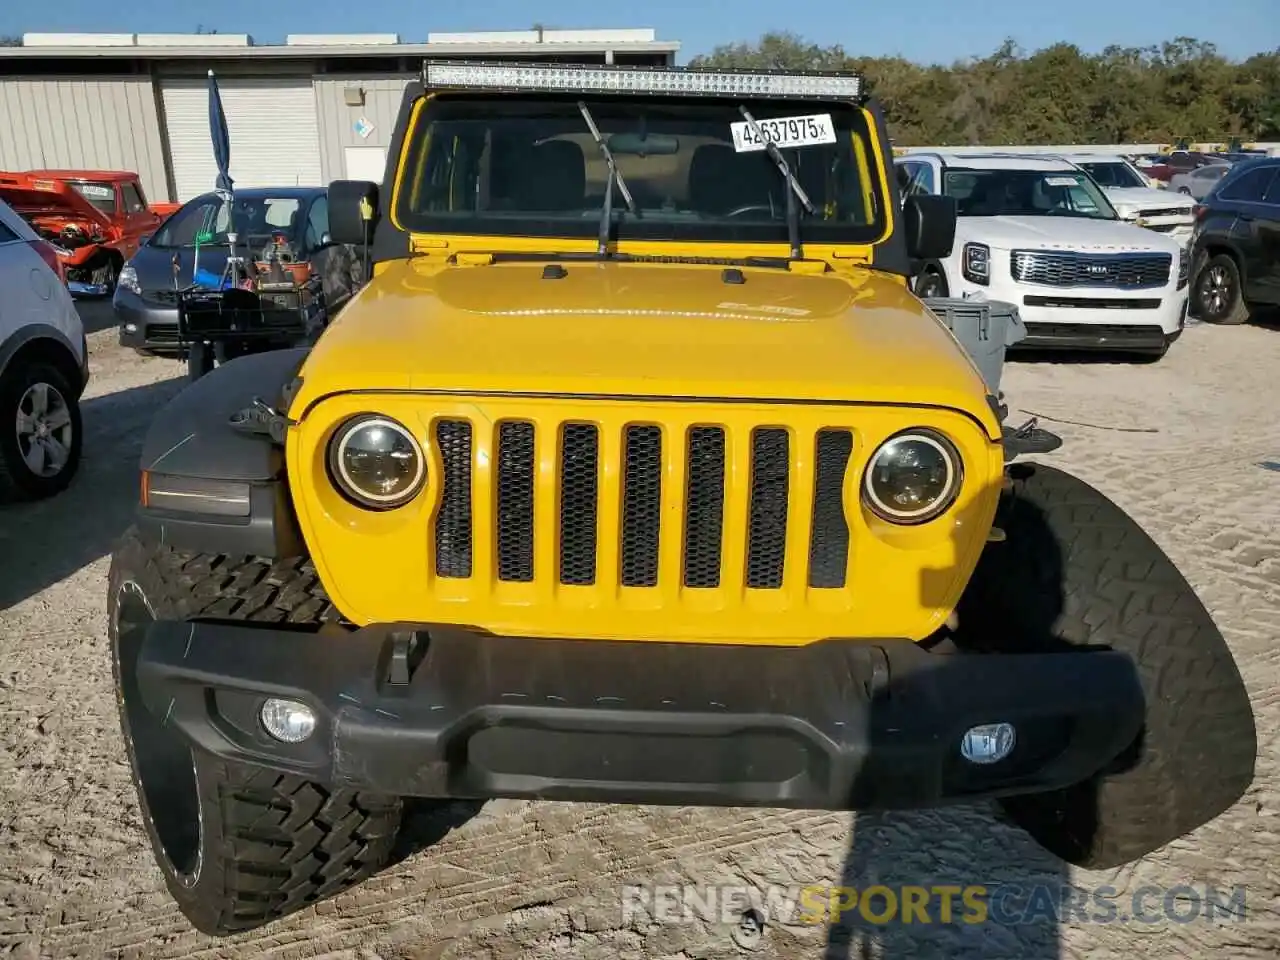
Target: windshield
x,y
101,195
530,166
1113,173
208,219
1027,193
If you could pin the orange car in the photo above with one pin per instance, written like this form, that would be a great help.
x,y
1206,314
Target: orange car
x,y
96,219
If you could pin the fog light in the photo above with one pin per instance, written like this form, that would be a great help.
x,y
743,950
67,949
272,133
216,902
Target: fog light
x,y
988,742
288,720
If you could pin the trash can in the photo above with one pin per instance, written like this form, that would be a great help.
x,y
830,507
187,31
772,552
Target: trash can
x,y
986,329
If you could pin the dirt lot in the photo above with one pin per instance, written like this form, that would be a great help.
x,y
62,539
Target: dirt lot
x,y
1190,445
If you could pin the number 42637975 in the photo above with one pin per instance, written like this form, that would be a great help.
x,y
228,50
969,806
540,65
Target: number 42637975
x,y
788,132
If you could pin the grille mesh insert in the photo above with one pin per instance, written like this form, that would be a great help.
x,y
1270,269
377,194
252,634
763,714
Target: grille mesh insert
x,y
453,524
704,507
579,472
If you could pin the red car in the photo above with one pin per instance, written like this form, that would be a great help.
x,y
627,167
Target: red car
x,y
96,219
1180,161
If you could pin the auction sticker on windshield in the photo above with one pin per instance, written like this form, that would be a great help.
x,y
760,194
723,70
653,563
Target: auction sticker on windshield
x,y
786,132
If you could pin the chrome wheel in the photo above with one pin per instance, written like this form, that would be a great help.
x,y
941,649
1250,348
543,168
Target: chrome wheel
x,y
44,428
1216,290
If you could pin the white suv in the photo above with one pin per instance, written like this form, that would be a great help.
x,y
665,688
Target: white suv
x,y
1134,197
44,366
1039,233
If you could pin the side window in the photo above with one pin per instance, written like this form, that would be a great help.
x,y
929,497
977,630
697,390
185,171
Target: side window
x,y
1251,187
133,202
7,235
317,223
1273,192
182,227
924,179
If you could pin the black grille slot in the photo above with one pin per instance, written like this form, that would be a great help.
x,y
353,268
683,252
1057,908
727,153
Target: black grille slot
x,y
515,501
829,534
1137,271
453,524
704,507
579,460
641,506
767,533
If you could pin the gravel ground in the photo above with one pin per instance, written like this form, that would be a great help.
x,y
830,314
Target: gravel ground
x,y
1189,445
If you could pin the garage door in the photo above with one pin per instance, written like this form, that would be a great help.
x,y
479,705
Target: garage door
x,y
275,138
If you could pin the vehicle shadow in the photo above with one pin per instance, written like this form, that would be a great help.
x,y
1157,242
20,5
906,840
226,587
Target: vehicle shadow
x,y
45,541
427,822
96,312
982,886
1079,357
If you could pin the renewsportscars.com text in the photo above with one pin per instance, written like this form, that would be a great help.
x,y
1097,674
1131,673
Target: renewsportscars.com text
x,y
1003,904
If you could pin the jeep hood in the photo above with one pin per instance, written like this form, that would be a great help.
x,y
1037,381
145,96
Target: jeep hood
x,y
664,330
1063,233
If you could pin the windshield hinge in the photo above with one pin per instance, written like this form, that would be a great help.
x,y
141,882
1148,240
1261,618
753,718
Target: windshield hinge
x,y
419,244
806,266
473,259
861,256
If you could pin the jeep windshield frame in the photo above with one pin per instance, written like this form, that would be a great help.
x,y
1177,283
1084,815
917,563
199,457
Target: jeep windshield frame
x,y
471,166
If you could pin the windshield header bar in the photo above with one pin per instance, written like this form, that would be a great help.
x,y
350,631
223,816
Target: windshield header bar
x,y
665,81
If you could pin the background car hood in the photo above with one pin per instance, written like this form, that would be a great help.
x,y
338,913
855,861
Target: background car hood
x,y
671,330
154,265
1064,233
40,197
1144,198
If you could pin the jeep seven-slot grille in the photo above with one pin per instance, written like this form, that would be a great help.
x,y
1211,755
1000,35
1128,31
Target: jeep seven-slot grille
x,y
645,452
1138,271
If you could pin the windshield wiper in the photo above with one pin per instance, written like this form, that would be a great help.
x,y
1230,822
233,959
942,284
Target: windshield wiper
x,y
606,212
794,188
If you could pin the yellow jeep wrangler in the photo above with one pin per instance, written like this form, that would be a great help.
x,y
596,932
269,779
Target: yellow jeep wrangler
x,y
635,473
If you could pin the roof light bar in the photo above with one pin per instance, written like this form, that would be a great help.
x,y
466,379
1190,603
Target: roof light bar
x,y
685,81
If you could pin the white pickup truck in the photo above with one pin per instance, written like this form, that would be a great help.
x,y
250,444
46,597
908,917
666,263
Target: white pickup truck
x,y
1136,199
1039,233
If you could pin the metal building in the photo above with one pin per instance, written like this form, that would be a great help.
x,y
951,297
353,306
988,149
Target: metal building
x,y
312,109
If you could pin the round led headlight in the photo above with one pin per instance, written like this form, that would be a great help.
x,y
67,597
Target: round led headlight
x,y
913,477
377,462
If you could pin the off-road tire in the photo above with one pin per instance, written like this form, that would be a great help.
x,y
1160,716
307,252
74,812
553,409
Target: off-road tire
x,y
1076,571
1238,312
931,283
17,481
261,845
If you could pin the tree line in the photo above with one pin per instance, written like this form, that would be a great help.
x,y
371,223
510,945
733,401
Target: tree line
x,y
1180,89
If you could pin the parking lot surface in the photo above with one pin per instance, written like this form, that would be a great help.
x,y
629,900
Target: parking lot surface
x,y
1189,445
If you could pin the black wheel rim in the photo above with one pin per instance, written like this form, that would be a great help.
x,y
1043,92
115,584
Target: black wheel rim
x,y
1216,291
162,759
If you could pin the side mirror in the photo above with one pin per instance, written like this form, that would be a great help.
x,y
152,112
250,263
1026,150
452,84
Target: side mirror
x,y
353,211
930,224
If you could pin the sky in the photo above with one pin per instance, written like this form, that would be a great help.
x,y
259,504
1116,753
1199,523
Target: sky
x,y
929,31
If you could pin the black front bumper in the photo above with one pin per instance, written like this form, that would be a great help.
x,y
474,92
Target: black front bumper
x,y
835,725
1141,338
145,326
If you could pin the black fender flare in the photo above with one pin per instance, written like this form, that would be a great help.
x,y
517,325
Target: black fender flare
x,y
199,455
34,332
1210,247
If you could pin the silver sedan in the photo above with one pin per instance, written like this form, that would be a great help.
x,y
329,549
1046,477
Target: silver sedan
x,y
1196,183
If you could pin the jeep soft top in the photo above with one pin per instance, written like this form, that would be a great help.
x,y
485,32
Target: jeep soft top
x,y
636,473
